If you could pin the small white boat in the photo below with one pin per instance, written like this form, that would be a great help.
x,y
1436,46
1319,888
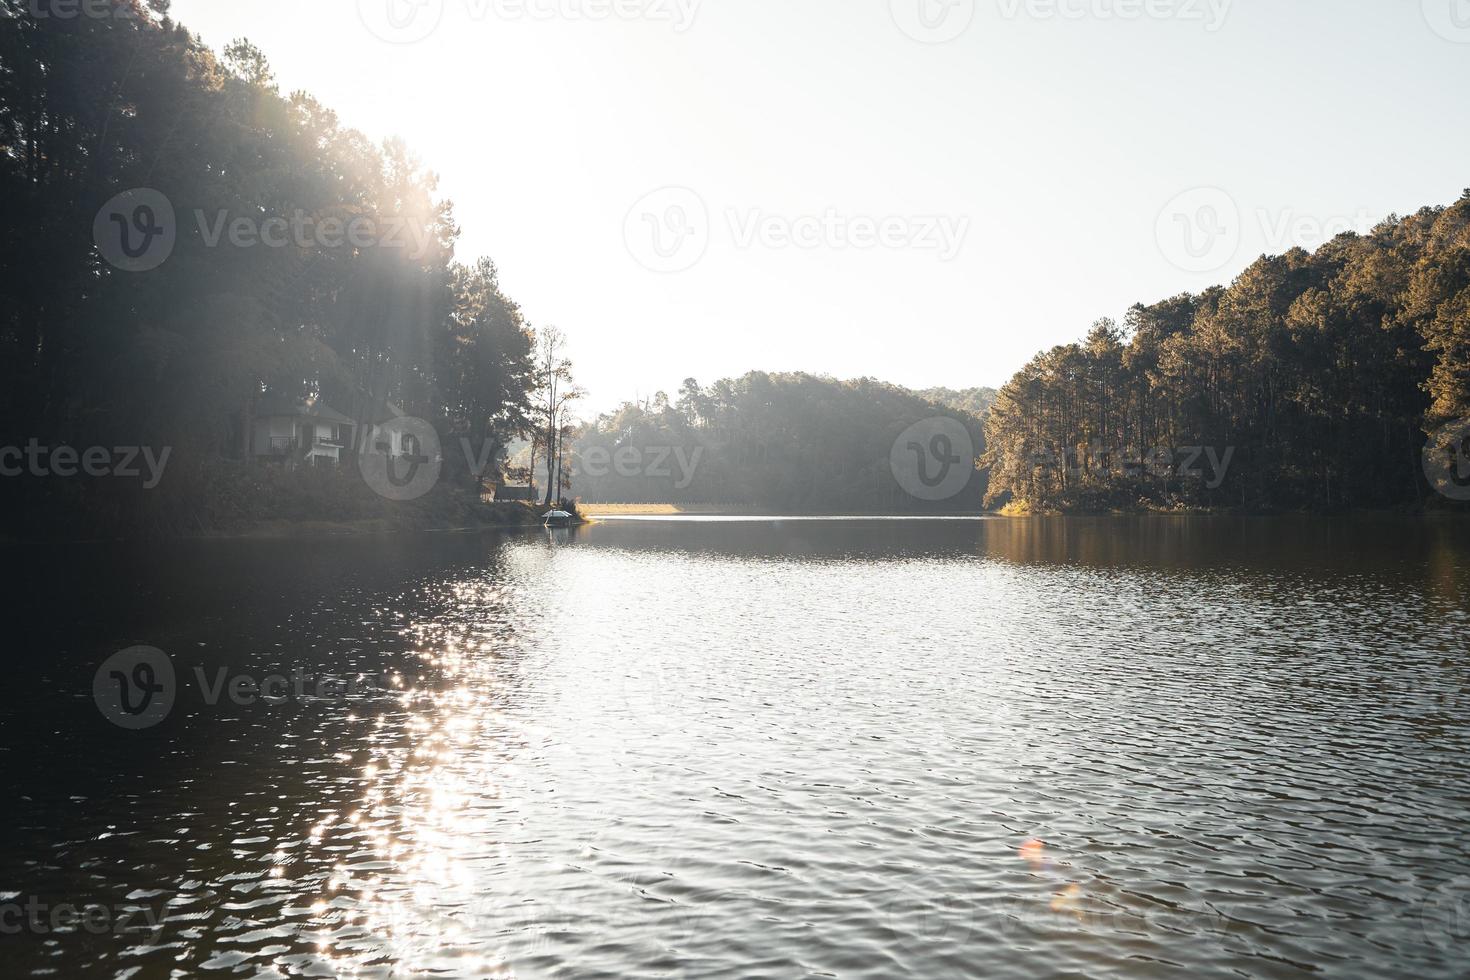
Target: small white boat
x,y
557,518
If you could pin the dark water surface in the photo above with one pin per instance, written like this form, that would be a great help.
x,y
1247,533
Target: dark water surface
x,y
1045,748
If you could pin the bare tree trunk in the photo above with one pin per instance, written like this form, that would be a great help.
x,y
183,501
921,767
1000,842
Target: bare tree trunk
x,y
531,471
550,462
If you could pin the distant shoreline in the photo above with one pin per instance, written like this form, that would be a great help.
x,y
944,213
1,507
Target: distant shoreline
x,y
595,511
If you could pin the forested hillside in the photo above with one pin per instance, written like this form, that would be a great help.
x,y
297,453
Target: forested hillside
x,y
1317,375
790,442
975,401
308,262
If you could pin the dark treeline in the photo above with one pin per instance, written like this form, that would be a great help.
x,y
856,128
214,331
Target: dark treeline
x,y
179,356
1321,372
785,442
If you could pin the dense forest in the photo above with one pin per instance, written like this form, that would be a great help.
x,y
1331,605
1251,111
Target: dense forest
x,y
789,442
178,356
1310,382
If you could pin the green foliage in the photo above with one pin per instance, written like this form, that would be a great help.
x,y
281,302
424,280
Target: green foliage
x,y
1323,372
177,356
972,401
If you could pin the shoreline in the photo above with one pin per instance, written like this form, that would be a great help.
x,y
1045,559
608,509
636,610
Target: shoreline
x,y
498,517
1010,511
589,515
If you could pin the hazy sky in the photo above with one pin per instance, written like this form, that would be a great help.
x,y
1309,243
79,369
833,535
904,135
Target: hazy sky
x,y
702,187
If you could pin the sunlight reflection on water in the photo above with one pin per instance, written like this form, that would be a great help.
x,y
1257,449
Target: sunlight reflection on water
x,y
726,749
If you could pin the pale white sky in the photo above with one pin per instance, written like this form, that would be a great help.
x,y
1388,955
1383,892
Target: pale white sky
x,y
1054,134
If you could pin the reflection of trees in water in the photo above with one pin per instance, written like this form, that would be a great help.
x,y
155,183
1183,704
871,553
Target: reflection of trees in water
x,y
497,808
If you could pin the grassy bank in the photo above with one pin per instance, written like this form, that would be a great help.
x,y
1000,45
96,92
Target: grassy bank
x,y
1433,507
644,510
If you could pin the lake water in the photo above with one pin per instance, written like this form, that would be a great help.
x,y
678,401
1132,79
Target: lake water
x,y
1150,747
